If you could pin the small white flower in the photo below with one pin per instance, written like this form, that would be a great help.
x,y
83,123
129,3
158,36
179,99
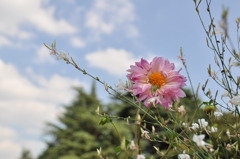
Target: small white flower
x,y
181,110
145,134
218,114
228,133
203,123
183,156
194,126
235,100
63,56
229,147
141,156
211,150
214,129
132,146
198,139
152,101
170,108
184,124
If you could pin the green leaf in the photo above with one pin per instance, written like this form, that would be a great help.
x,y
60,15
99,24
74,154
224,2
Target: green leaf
x,y
174,144
54,44
118,150
103,121
47,46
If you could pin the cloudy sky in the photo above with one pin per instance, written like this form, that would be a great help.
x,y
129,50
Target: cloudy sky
x,y
103,36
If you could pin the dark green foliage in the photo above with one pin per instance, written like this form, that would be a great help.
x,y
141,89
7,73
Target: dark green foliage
x,y
125,110
79,134
81,131
26,154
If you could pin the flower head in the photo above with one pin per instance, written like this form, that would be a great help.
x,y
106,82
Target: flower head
x,y
132,145
203,123
183,156
145,134
156,79
184,124
63,56
181,110
218,114
152,101
194,126
235,100
214,129
198,139
229,147
141,156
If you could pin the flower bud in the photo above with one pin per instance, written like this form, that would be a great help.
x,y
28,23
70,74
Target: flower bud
x,y
208,109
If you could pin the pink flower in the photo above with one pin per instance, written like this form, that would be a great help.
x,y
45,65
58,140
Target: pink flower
x,y
156,79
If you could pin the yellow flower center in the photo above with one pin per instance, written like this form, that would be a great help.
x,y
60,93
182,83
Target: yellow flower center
x,y
157,79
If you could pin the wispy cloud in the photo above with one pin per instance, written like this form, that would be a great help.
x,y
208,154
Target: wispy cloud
x,y
26,104
114,61
18,15
78,42
4,41
107,16
43,55
117,61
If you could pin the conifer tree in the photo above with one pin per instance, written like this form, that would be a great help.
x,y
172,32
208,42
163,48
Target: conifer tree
x,y
79,134
26,154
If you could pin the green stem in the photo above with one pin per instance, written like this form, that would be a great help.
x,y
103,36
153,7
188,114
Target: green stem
x,y
166,151
138,131
120,137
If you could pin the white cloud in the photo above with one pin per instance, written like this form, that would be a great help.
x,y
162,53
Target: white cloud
x,y
4,41
28,105
7,133
77,42
38,146
12,145
9,150
12,79
95,22
117,61
105,16
16,15
112,60
177,63
43,55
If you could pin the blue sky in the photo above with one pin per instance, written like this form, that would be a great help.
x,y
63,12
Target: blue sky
x,y
103,36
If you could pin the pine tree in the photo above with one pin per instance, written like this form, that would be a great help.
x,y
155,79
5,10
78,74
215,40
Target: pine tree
x,y
26,154
79,134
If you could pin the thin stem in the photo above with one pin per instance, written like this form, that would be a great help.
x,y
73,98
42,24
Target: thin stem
x,y
120,137
118,95
193,92
138,130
